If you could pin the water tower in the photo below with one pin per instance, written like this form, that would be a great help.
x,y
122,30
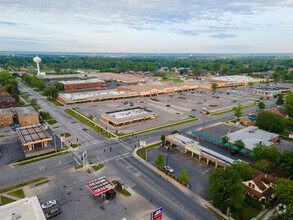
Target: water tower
x,y
37,60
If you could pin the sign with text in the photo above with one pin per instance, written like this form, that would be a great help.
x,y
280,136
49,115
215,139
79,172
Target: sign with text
x,y
158,214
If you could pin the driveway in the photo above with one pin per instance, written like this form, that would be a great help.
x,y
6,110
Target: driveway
x,y
198,172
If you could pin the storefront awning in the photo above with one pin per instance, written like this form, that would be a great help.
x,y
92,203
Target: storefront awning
x,y
193,132
206,136
227,144
212,139
252,154
235,147
243,151
219,142
199,134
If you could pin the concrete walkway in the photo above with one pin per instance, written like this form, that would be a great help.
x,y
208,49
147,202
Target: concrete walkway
x,y
186,191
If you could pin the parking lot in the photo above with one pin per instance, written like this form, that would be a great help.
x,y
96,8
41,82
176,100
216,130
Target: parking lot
x,y
197,171
170,108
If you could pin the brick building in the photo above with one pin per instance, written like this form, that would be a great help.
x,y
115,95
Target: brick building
x,y
83,84
7,101
6,117
27,116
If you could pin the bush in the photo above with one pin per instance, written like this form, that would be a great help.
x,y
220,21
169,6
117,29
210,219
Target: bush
x,y
252,202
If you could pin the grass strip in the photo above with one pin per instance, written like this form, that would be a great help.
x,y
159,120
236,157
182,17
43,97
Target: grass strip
x,y
142,152
17,193
161,127
122,191
88,123
35,156
5,200
52,122
65,135
230,109
35,106
22,184
79,166
75,145
286,138
55,102
216,214
42,158
41,183
100,166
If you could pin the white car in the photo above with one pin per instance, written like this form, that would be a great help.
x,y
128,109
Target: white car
x,y
48,204
169,169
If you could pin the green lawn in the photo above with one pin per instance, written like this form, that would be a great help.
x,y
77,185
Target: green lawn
x,y
55,102
65,135
246,211
35,106
123,192
75,145
5,200
88,123
142,152
41,183
100,166
17,193
22,184
52,121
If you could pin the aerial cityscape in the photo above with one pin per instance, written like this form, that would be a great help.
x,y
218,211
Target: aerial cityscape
x,y
146,110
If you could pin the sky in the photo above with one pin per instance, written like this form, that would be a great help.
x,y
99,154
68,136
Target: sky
x,y
152,26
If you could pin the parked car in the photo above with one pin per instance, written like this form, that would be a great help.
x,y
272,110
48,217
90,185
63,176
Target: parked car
x,y
49,204
141,101
233,152
218,97
169,169
228,93
214,96
167,105
199,103
53,212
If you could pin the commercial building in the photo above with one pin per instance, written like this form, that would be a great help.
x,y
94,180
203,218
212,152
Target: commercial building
x,y
265,91
6,117
240,80
252,136
7,101
184,145
25,209
34,136
202,84
83,84
122,77
27,116
129,116
125,92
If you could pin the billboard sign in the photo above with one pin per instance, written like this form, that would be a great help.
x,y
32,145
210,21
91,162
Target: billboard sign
x,y
157,214
62,139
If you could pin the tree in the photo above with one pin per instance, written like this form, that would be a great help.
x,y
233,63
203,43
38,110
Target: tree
x,y
283,190
214,86
237,111
183,177
280,100
289,104
264,165
225,139
59,86
261,105
240,144
270,122
175,132
57,70
287,161
243,169
270,153
225,188
163,138
51,92
160,161
118,84
288,122
250,83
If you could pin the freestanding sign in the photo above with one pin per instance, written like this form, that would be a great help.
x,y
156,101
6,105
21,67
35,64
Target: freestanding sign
x,y
84,157
157,214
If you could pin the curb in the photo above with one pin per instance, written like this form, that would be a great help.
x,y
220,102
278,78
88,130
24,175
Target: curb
x,y
204,203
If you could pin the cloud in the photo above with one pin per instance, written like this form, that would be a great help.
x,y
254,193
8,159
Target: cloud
x,y
10,23
222,36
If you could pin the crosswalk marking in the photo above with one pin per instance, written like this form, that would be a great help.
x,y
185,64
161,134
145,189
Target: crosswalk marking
x,y
117,157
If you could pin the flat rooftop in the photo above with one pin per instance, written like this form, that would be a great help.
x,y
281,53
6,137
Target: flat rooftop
x,y
236,78
269,89
33,134
94,94
27,209
70,82
185,140
6,112
127,114
100,185
122,77
252,136
25,111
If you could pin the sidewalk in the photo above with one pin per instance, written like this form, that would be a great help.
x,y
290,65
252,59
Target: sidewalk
x,y
182,188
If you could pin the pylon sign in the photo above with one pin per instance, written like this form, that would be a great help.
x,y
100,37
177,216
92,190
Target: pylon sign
x,y
157,214
84,157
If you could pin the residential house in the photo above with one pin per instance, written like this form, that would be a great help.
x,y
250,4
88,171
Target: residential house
x,y
277,111
248,120
260,187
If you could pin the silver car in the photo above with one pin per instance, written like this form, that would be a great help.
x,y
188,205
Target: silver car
x,y
49,204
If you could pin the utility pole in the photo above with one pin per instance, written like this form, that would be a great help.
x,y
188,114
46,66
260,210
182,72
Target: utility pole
x,y
55,143
90,153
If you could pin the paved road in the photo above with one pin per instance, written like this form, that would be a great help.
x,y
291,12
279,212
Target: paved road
x,y
148,184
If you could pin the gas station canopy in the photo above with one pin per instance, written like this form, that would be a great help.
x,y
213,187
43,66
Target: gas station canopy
x,y
100,185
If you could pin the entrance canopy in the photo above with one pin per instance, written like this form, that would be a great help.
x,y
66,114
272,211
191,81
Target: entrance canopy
x,y
100,185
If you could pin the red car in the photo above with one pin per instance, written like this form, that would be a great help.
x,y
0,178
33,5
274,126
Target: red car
x,y
214,96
